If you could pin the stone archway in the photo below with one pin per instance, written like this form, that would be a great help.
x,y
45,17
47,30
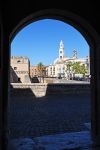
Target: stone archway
x,y
93,40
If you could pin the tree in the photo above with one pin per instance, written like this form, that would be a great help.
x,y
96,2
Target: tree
x,y
78,68
69,65
40,69
83,69
69,69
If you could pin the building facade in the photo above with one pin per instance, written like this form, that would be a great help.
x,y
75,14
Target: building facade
x,y
20,69
36,71
59,67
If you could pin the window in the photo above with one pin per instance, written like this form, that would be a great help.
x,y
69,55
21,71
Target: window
x,y
18,61
15,68
19,79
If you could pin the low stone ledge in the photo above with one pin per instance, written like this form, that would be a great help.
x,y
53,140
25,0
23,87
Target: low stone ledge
x,y
42,89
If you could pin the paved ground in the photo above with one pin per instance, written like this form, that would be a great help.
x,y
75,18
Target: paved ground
x,y
32,117
66,141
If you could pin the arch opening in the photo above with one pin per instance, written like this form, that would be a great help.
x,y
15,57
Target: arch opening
x,y
84,28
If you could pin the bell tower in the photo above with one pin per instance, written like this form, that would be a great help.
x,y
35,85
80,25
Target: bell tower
x,y
61,50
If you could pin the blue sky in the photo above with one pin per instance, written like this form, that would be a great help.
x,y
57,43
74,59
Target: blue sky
x,y
39,41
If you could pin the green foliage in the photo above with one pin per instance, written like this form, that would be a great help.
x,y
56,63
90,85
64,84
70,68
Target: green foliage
x,y
69,65
40,65
76,67
40,68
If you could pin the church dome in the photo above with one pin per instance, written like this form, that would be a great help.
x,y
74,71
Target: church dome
x,y
60,61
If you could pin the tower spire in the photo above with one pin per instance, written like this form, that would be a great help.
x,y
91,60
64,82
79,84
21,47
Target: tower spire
x,y
61,50
74,54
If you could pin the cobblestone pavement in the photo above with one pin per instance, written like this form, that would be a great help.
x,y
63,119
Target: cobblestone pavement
x,y
32,117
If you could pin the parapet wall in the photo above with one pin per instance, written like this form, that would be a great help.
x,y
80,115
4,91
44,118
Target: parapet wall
x,y
43,89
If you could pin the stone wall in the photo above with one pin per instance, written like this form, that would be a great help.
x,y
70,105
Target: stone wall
x,y
20,66
43,89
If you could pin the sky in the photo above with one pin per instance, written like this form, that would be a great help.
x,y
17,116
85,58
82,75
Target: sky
x,y
40,40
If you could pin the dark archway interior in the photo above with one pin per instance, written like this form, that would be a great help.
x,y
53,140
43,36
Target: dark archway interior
x,y
67,17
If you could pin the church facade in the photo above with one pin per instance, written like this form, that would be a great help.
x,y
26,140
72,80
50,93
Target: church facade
x,y
59,67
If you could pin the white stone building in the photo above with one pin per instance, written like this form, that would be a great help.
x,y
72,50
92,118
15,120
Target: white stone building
x,y
58,68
